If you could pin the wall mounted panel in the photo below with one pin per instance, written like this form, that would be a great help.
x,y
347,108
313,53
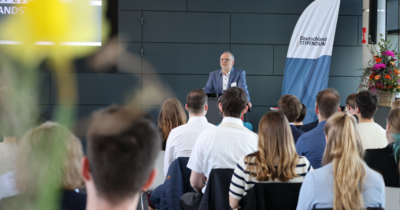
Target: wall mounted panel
x,y
346,61
280,53
345,86
167,5
103,89
351,7
262,28
346,31
186,27
129,27
129,60
264,90
182,58
255,59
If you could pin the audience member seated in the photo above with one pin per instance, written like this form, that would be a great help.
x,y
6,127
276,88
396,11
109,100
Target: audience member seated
x,y
345,181
386,160
291,107
122,149
222,146
299,121
171,116
312,144
276,160
48,160
396,104
182,138
351,104
373,136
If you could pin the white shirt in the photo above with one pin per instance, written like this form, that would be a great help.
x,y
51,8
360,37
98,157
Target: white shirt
x,y
8,157
225,80
181,140
7,185
222,147
373,136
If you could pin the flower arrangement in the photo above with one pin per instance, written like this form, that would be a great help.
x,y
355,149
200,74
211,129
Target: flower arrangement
x,y
381,74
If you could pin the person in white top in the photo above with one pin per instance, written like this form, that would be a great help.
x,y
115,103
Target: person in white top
x,y
182,138
373,136
221,147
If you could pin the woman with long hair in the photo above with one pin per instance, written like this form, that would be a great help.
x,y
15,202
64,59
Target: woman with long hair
x,y
48,170
387,160
275,161
344,181
171,116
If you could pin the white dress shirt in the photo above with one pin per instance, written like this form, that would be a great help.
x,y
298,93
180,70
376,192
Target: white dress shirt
x,y
221,147
181,140
225,80
7,185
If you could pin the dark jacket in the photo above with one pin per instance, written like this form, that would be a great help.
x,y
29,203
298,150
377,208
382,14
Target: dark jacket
x,y
309,126
382,161
271,196
296,133
216,196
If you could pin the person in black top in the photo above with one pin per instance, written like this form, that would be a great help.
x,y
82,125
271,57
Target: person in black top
x,y
299,121
386,160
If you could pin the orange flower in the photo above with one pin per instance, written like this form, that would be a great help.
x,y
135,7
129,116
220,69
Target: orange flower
x,y
387,76
396,71
391,63
388,87
372,76
377,77
377,60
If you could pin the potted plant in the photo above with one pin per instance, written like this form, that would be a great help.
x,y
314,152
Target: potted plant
x,y
381,74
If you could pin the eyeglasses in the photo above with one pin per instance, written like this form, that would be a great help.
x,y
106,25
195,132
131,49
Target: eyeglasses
x,y
225,59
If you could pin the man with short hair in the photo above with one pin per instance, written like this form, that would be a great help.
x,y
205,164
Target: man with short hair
x,y
373,136
351,104
291,106
122,148
312,144
182,138
220,80
222,146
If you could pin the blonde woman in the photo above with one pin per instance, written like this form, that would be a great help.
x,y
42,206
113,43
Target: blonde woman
x,y
276,160
344,181
49,157
171,116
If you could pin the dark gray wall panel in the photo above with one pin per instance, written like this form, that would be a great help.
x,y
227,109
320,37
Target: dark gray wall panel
x,y
345,86
346,61
360,33
181,85
167,5
102,89
130,61
347,31
44,88
262,28
351,7
280,53
186,27
264,90
129,26
255,59
153,111
251,6
182,58
255,116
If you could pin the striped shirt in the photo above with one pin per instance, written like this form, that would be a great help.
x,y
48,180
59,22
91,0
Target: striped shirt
x,y
242,181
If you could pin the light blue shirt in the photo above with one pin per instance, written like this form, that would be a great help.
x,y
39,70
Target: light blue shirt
x,y
317,189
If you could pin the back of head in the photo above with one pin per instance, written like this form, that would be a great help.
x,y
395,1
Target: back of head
x,y
328,102
49,155
171,116
351,100
394,122
291,106
344,150
368,103
396,104
196,100
275,141
233,102
303,113
122,148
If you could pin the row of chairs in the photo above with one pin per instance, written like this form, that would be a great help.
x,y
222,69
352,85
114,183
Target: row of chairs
x,y
261,196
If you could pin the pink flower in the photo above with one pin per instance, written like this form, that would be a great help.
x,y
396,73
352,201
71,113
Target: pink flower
x,y
372,89
379,66
379,85
398,81
388,53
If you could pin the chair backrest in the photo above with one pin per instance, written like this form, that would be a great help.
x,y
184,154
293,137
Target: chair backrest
x,y
392,198
271,196
159,165
216,196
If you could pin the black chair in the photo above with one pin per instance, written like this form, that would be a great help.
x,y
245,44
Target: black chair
x,y
216,196
271,196
370,208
